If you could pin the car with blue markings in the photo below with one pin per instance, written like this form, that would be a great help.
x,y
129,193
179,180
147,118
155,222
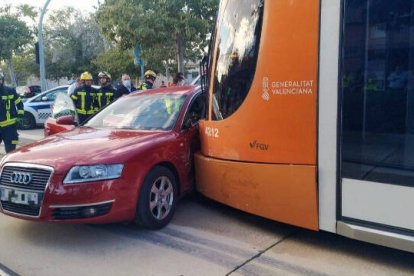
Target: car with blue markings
x,y
38,108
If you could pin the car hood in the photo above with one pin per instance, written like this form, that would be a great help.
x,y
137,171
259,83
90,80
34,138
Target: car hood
x,y
86,146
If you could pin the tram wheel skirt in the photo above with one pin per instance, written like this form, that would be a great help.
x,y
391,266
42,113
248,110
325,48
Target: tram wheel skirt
x,y
285,193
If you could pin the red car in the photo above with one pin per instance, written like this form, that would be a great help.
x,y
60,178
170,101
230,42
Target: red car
x,y
130,162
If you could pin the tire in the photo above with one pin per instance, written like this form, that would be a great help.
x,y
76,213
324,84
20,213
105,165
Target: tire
x,y
157,200
27,122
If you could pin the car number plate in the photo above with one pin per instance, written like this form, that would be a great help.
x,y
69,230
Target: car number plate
x,y
19,197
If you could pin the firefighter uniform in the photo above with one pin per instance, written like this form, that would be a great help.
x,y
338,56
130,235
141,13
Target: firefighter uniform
x,y
104,96
106,93
11,107
172,105
84,99
149,77
145,86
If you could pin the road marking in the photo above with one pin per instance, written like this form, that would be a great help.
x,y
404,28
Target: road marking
x,y
4,271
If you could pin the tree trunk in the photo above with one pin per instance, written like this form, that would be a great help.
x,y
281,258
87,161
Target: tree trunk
x,y
12,74
180,53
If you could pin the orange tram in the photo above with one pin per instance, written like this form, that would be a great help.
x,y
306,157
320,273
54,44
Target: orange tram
x,y
310,116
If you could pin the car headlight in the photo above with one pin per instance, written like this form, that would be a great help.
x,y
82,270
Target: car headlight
x,y
80,174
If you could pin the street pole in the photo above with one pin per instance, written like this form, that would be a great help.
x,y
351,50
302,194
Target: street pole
x,y
43,82
142,69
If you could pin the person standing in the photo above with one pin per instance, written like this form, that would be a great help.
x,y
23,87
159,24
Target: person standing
x,y
149,79
84,97
77,83
11,111
106,93
178,80
126,86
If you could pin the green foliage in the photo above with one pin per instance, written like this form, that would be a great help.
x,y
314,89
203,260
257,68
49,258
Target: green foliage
x,y
14,35
72,41
25,66
116,62
156,25
28,12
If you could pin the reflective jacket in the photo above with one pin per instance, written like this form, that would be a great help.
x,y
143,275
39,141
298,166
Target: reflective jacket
x,y
11,106
104,96
172,105
84,99
145,86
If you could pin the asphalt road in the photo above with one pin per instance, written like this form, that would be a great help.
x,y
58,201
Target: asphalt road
x,y
25,137
204,238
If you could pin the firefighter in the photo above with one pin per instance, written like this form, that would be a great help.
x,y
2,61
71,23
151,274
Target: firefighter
x,y
11,111
84,98
106,93
172,105
149,78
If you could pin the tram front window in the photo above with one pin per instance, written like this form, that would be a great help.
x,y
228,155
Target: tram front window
x,y
238,38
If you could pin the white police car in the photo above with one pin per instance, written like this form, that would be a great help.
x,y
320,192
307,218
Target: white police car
x,y
38,108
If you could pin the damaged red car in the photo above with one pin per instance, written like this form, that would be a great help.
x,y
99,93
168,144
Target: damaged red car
x,y
130,162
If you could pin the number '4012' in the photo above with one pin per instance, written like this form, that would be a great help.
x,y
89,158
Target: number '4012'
x,y
212,132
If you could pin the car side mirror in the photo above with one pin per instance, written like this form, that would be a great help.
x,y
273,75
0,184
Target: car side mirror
x,y
44,98
66,120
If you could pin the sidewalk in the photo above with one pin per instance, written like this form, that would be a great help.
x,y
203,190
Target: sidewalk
x,y
25,138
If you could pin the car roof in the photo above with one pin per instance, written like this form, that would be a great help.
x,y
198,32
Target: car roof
x,y
178,90
47,91
53,89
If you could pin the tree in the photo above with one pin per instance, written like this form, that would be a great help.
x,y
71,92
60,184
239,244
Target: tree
x,y
25,66
165,29
72,41
30,13
14,36
116,62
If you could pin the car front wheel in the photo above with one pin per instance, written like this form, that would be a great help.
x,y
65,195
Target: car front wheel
x,y
27,122
157,200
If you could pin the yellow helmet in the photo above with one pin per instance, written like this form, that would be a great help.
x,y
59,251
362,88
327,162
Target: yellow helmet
x,y
104,74
150,74
86,76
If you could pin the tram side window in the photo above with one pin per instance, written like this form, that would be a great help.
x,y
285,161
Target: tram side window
x,y
238,45
378,91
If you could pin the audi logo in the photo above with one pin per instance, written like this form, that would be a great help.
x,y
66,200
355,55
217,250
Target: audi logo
x,y
21,178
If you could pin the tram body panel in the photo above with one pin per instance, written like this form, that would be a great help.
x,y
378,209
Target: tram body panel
x,y
272,132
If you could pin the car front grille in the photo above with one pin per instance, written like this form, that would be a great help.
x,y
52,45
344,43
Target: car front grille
x,y
39,178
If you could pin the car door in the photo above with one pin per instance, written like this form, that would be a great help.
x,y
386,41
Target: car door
x,y
40,106
189,136
63,115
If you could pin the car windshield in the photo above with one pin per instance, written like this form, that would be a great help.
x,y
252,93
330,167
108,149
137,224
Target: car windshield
x,y
142,112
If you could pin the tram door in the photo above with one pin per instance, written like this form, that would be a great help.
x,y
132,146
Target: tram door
x,y
377,115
